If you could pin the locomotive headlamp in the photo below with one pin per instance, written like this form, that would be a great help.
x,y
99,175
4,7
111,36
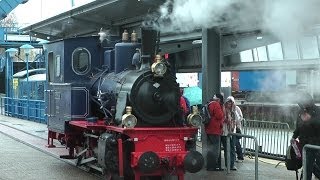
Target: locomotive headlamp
x,y
194,119
128,119
158,68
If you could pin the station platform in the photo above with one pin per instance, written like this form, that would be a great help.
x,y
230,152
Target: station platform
x,y
25,156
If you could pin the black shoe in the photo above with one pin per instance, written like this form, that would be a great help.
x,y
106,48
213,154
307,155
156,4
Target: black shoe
x,y
239,161
215,169
219,169
233,168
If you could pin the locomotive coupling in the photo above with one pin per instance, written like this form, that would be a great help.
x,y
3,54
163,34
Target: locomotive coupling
x,y
128,119
148,162
193,161
158,67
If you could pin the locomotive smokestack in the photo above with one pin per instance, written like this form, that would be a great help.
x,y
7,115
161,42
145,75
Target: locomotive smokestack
x,y
149,43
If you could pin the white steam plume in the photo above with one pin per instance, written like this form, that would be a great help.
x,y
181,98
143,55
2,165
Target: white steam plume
x,y
286,19
290,19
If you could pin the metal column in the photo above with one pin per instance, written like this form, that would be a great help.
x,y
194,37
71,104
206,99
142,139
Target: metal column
x,y
211,60
211,71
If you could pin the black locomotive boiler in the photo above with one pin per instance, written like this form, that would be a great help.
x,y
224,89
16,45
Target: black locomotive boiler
x,y
115,106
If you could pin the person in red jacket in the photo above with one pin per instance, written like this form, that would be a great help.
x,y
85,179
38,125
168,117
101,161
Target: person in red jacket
x,y
184,104
214,130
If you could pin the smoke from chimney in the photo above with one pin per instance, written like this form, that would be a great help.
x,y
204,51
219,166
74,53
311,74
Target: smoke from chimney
x,y
286,19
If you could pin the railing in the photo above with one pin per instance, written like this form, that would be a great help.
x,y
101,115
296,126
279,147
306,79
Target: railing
x,y
256,145
304,158
273,137
23,108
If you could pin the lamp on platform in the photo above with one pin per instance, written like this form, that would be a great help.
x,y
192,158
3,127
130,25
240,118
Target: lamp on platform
x,y
27,50
11,52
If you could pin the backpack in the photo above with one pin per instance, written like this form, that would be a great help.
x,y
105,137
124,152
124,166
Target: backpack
x,y
206,114
293,159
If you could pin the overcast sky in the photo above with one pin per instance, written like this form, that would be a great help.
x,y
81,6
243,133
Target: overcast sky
x,y
37,10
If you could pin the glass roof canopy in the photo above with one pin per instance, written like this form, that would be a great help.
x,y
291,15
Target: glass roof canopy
x,y
6,6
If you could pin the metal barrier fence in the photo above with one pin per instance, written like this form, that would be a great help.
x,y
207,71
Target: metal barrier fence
x,y
273,137
23,108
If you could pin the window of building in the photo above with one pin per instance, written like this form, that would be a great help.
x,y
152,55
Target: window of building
x,y
260,54
290,50
275,51
246,56
81,61
309,47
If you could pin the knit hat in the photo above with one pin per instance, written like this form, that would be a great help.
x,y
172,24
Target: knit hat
x,y
218,96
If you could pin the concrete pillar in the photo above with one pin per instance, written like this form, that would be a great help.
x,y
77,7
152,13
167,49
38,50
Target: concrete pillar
x,y
211,60
211,71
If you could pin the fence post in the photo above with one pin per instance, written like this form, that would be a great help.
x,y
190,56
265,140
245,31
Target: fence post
x,y
255,152
304,158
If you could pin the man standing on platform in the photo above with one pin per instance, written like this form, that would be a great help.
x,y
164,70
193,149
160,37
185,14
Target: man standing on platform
x,y
214,130
308,131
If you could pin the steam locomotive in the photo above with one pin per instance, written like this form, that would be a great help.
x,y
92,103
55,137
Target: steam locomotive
x,y
115,106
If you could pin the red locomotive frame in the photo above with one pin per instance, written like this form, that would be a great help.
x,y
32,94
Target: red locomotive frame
x,y
169,143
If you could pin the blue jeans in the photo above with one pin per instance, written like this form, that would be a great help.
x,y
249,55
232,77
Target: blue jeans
x,y
232,149
214,150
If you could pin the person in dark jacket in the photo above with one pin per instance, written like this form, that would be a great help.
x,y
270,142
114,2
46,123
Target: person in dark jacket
x,y
214,130
308,129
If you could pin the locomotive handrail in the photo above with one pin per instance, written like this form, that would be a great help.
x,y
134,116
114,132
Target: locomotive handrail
x,y
48,112
255,152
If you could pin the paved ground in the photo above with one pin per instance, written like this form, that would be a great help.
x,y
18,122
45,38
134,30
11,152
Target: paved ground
x,y
267,171
26,157
19,161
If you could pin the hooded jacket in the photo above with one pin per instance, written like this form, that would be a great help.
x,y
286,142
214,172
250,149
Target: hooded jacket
x,y
237,113
214,126
308,132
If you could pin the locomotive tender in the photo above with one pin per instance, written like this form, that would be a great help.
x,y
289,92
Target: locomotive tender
x,y
115,106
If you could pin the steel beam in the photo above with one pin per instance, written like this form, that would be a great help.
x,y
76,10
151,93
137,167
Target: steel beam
x,y
211,76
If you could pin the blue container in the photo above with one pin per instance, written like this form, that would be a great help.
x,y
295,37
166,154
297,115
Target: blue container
x,y
261,80
123,55
109,59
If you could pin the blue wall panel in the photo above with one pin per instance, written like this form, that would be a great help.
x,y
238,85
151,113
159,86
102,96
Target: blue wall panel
x,y
262,80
